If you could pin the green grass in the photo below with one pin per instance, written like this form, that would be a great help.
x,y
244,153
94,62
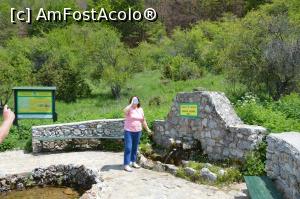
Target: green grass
x,y
150,88
146,85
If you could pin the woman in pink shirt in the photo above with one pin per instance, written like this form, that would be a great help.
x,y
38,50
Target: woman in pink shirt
x,y
134,123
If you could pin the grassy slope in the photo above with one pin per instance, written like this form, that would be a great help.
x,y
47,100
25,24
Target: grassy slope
x,y
146,85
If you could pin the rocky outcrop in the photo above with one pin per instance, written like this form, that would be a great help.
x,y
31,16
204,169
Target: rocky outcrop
x,y
208,175
77,177
220,131
283,162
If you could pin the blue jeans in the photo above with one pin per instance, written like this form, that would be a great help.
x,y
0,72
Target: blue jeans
x,y
132,140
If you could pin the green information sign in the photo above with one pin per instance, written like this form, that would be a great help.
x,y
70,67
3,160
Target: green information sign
x,y
189,110
35,103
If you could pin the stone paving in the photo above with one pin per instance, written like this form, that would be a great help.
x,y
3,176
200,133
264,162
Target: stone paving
x,y
141,183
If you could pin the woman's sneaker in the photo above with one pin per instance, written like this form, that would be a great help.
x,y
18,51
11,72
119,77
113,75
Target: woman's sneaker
x,y
127,168
135,165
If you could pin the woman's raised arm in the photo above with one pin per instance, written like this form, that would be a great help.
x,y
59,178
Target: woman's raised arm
x,y
126,109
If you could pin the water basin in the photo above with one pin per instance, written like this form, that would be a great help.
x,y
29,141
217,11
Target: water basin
x,y
43,193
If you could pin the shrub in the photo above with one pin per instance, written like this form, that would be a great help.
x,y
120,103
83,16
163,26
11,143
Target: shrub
x,y
148,56
231,175
186,43
289,105
167,72
181,174
256,161
155,101
181,68
146,149
18,138
252,111
9,143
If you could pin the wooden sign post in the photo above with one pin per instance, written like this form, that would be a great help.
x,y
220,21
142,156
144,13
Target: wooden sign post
x,y
34,103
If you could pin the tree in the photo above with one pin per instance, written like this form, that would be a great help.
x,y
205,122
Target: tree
x,y
60,59
132,32
253,4
264,54
8,30
113,61
14,71
39,27
281,55
6,82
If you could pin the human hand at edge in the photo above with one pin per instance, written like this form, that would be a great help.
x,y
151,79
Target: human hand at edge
x,y
8,115
149,131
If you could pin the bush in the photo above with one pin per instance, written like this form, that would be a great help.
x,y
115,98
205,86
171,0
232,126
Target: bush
x,y
231,175
252,111
146,149
18,138
181,68
155,101
148,56
256,161
289,105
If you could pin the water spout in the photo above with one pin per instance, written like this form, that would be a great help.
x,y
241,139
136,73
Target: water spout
x,y
169,155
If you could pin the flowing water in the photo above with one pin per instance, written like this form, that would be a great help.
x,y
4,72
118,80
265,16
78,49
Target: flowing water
x,y
169,155
43,193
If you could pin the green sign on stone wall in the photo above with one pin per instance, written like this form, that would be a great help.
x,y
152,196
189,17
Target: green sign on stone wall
x,y
188,110
35,103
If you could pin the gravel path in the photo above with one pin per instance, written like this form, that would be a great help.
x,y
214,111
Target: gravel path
x,y
141,183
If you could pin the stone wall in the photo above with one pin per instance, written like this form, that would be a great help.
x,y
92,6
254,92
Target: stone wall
x,y
75,176
90,130
220,131
283,162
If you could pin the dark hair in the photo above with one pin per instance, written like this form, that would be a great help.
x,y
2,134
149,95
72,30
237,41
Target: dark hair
x,y
139,104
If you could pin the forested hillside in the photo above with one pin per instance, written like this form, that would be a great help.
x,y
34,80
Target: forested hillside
x,y
246,48
184,13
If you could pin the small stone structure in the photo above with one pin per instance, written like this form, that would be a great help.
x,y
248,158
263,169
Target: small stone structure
x,y
283,162
82,135
77,177
220,131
